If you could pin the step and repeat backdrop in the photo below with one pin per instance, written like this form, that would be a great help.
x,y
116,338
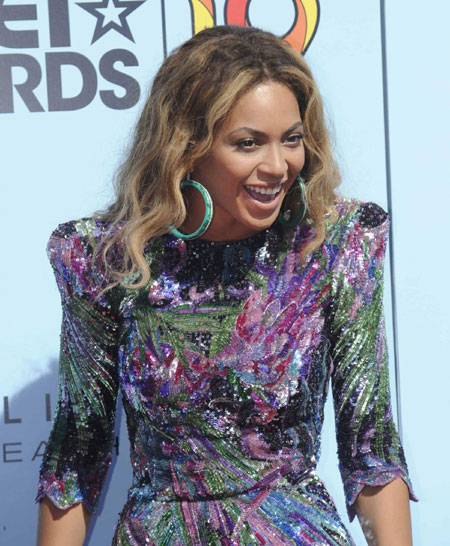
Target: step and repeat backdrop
x,y
73,76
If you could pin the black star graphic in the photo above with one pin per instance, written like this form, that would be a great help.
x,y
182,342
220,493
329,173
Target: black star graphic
x,y
127,7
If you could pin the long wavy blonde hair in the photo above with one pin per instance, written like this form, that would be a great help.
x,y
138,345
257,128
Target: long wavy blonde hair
x,y
192,94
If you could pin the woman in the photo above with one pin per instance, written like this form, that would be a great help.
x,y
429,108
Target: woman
x,y
221,291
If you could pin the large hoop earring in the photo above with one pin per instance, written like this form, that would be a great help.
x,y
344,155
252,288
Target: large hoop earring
x,y
300,216
209,211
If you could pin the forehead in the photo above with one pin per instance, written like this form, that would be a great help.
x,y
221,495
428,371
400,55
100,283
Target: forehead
x,y
269,103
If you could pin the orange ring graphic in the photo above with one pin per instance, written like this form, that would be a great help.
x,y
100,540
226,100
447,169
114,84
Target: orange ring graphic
x,y
302,29
236,12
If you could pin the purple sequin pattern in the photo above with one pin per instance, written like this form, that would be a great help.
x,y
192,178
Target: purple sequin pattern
x,y
224,361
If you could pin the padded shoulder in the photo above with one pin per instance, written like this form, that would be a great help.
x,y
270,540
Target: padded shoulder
x,y
366,214
371,215
360,229
71,251
89,228
353,214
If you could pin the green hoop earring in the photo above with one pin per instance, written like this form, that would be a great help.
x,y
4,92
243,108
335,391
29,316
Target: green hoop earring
x,y
209,211
300,216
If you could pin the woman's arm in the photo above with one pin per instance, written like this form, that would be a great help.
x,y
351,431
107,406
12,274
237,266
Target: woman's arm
x,y
371,457
62,527
79,450
384,514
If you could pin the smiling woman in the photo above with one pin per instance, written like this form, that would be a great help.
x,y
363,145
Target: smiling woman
x,y
223,338
255,158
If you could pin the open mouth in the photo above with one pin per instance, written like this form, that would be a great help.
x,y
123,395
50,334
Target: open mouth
x,y
264,195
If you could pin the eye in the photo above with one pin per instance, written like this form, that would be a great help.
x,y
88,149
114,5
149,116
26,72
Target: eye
x,y
294,140
247,144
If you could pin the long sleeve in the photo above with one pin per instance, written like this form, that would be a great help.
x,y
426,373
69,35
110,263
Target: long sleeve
x,y
79,449
369,448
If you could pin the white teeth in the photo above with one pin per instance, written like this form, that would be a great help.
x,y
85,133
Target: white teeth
x,y
265,191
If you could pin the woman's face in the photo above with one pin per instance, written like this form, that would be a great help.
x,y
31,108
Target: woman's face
x,y
253,162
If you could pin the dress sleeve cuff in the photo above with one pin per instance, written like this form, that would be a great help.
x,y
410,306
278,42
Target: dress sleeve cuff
x,y
64,493
354,484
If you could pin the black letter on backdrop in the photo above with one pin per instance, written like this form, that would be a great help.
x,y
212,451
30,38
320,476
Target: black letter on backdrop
x,y
7,418
6,452
24,89
58,18
58,103
18,38
48,411
38,452
131,86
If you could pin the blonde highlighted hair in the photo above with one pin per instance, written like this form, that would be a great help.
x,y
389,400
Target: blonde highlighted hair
x,y
192,95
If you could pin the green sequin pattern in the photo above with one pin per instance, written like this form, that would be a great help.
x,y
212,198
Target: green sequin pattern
x,y
224,361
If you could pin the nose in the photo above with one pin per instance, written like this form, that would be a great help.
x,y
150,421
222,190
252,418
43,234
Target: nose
x,y
274,163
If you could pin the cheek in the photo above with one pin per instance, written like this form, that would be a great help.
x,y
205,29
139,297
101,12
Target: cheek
x,y
224,168
299,159
233,177
302,159
238,166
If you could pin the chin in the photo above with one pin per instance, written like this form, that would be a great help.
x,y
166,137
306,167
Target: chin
x,y
258,224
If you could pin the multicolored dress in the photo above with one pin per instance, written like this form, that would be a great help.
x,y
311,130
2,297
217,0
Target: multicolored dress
x,y
224,360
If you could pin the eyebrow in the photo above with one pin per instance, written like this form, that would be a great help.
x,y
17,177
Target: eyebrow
x,y
255,132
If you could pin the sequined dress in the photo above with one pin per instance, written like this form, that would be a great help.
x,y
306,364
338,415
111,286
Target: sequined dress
x,y
224,361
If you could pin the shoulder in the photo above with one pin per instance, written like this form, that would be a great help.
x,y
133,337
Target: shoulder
x,y
76,240
85,230
72,252
356,237
357,219
353,212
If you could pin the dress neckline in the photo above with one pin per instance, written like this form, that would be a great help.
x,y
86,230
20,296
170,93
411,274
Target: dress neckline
x,y
259,237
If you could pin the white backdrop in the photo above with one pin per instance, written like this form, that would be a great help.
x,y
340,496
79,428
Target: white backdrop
x,y
72,80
